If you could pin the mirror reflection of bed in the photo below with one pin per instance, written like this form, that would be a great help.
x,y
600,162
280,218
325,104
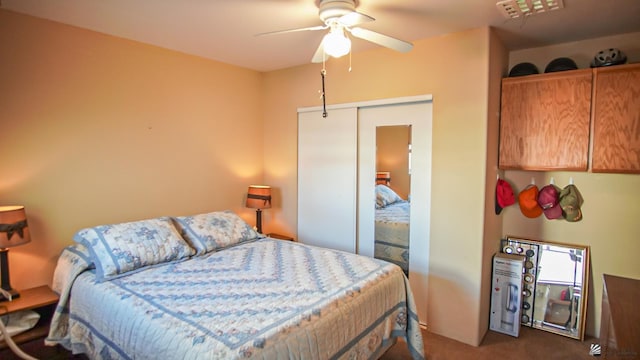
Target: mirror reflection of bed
x,y
393,178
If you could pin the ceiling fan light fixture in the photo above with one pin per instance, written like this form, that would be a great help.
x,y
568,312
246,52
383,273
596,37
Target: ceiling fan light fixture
x,y
335,43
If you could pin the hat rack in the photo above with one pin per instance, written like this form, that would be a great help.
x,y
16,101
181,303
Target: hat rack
x,y
552,181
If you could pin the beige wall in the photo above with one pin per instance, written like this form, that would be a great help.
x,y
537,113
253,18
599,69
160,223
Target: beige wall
x,y
96,129
453,69
611,208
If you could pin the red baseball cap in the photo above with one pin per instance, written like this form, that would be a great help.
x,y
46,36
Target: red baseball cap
x,y
504,195
548,201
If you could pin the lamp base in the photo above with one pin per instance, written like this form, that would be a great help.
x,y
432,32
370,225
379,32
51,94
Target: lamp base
x,y
6,292
9,295
259,220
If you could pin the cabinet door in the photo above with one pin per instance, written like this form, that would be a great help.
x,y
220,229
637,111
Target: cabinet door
x,y
616,127
327,149
544,122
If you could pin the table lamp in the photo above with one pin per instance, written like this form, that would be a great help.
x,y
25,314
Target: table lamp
x,y
259,197
13,232
383,177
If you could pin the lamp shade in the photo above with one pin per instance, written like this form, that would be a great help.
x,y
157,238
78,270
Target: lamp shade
x,y
259,197
383,177
13,226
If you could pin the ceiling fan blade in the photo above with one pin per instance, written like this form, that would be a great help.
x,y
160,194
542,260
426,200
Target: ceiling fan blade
x,y
354,18
312,28
319,56
383,40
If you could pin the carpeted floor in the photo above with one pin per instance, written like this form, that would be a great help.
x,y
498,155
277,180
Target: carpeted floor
x,y
531,344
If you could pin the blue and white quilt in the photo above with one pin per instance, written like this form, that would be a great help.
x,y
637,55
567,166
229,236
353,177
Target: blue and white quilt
x,y
267,299
392,234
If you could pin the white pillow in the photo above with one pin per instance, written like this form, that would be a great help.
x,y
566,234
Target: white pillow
x,y
214,231
385,196
119,249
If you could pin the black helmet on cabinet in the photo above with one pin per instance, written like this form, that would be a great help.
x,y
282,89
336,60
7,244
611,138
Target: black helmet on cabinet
x,y
608,57
522,69
560,64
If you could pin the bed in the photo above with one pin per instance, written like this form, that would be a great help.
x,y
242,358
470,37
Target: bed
x,y
209,287
392,227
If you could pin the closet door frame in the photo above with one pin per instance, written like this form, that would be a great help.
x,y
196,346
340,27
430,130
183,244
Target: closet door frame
x,y
419,116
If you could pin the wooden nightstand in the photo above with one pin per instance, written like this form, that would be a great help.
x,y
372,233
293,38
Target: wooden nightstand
x,y
280,237
40,299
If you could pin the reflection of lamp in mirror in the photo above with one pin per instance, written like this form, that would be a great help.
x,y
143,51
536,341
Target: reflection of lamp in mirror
x,y
259,197
383,177
13,232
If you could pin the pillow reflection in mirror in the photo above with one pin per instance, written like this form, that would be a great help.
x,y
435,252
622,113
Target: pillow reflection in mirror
x,y
385,196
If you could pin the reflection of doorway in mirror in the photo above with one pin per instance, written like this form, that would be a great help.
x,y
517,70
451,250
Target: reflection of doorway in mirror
x,y
393,144
393,171
560,273
559,265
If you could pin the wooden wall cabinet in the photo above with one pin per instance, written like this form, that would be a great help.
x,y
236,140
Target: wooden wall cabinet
x,y
572,120
616,119
544,121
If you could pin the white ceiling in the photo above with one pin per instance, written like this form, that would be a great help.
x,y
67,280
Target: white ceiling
x,y
225,30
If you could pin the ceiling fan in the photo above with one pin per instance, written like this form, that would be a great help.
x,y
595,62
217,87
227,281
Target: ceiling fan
x,y
341,18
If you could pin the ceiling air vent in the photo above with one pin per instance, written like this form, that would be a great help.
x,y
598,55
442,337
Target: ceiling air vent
x,y
513,9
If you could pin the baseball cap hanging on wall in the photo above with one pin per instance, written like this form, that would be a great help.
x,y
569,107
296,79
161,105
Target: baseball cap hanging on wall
x,y
570,201
504,195
548,201
528,200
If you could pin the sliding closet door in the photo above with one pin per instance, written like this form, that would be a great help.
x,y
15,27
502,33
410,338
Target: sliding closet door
x,y
327,167
417,115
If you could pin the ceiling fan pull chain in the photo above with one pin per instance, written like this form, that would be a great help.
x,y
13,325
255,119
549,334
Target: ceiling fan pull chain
x,y
349,60
324,103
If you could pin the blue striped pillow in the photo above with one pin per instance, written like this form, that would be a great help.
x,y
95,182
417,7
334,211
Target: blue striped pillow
x,y
119,249
214,231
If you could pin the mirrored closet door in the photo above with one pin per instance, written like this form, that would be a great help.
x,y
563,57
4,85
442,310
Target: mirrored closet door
x,y
393,191
410,186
